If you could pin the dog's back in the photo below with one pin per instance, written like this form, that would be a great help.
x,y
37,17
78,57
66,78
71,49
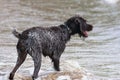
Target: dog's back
x,y
48,40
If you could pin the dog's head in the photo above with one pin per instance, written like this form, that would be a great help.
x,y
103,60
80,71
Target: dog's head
x,y
78,25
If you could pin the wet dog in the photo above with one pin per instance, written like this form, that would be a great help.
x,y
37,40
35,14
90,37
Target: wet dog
x,y
48,41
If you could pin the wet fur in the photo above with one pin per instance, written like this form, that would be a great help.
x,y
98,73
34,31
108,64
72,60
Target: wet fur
x,y
47,41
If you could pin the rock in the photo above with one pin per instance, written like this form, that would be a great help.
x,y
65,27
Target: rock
x,y
22,77
70,70
63,76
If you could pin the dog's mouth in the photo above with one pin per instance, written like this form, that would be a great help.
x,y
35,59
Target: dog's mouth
x,y
85,34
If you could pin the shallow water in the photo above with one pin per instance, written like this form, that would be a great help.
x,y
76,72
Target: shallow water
x,y
99,53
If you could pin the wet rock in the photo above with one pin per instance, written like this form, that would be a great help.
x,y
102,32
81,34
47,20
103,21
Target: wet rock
x,y
22,77
70,70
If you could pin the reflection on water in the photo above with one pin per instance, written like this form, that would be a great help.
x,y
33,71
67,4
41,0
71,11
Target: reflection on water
x,y
99,53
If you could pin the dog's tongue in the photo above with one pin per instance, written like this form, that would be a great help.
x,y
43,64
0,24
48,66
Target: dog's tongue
x,y
85,33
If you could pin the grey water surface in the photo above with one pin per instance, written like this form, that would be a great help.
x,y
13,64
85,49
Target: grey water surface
x,y
99,53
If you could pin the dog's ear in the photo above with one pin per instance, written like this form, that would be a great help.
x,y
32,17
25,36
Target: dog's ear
x,y
80,20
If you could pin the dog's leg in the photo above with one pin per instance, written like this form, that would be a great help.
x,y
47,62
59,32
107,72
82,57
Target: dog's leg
x,y
37,64
20,60
56,62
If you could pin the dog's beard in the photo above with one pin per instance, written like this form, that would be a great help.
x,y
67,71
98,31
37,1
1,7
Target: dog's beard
x,y
83,38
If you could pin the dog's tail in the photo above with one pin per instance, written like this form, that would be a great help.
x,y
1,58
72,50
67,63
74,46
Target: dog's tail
x,y
16,34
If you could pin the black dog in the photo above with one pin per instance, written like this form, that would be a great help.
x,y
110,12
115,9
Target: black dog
x,y
48,41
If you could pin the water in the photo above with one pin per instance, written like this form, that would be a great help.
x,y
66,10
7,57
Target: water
x,y
99,53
